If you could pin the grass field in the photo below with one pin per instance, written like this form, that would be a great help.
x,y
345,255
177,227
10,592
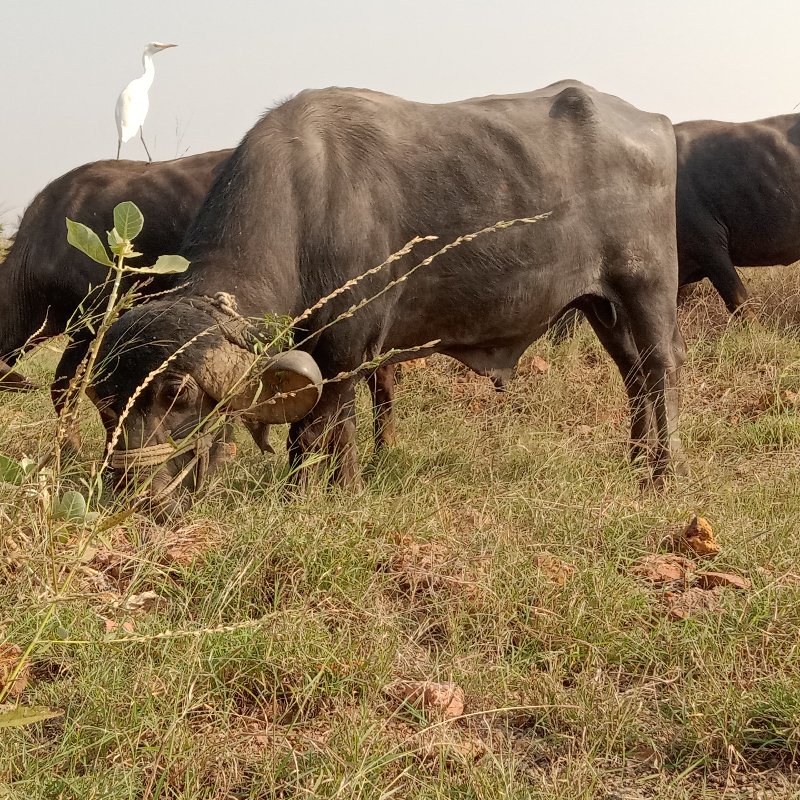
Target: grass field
x,y
246,653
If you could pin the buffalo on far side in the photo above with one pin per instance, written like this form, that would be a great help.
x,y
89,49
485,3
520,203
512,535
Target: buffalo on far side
x,y
738,200
737,203
44,280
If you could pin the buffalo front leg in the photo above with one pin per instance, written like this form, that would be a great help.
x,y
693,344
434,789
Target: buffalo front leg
x,y
328,429
719,269
11,381
381,384
64,380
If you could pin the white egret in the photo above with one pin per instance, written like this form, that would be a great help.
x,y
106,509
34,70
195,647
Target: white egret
x,y
133,103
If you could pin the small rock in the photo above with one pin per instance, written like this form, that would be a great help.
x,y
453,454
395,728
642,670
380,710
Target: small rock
x,y
418,567
660,569
789,397
112,626
698,537
682,605
445,699
539,366
710,580
453,750
555,569
146,601
190,544
10,655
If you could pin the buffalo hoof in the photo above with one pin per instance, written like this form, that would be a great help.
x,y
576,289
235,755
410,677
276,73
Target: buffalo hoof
x,y
746,316
660,481
11,381
386,439
72,442
167,509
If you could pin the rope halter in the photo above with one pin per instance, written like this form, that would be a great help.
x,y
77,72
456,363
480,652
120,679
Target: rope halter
x,y
156,455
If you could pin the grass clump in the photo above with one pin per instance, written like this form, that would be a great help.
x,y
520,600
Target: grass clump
x,y
245,651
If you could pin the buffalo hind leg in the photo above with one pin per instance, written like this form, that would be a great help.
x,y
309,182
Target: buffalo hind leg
x,y
654,325
725,279
381,384
330,428
647,347
615,335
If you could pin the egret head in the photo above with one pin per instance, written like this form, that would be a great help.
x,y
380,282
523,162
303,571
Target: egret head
x,y
157,47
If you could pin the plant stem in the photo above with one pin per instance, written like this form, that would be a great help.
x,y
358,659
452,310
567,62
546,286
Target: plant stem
x,y
71,406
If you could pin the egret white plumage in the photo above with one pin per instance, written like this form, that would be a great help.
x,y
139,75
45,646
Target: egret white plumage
x,y
133,102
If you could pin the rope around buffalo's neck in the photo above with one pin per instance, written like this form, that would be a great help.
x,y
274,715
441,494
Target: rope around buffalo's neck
x,y
151,456
158,454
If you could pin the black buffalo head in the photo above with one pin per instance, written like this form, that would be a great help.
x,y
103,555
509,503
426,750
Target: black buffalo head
x,y
171,375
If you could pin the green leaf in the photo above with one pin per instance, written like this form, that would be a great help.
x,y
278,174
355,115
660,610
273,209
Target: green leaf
x,y
128,220
62,633
88,242
168,265
26,715
114,239
117,244
28,465
11,471
70,507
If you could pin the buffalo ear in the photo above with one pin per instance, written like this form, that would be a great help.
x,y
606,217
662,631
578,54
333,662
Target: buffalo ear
x,y
290,386
260,433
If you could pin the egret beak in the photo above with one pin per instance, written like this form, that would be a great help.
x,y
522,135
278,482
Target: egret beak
x,y
165,46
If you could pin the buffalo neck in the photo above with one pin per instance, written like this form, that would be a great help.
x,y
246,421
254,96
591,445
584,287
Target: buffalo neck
x,y
257,291
243,240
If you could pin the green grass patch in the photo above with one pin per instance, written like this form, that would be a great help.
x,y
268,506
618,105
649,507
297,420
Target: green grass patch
x,y
258,666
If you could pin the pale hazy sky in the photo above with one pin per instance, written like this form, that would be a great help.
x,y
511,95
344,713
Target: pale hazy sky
x,y
63,63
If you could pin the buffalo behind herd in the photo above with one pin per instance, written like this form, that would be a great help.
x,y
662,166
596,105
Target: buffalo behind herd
x,y
324,188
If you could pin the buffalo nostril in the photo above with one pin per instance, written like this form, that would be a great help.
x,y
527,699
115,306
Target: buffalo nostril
x,y
165,509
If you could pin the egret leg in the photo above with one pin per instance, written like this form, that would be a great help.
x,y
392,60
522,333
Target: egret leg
x,y
141,136
119,144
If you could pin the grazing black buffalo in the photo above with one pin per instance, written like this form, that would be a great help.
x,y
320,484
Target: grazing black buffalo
x,y
738,199
329,183
44,280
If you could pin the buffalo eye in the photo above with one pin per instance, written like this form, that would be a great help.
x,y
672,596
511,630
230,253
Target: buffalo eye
x,y
177,390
